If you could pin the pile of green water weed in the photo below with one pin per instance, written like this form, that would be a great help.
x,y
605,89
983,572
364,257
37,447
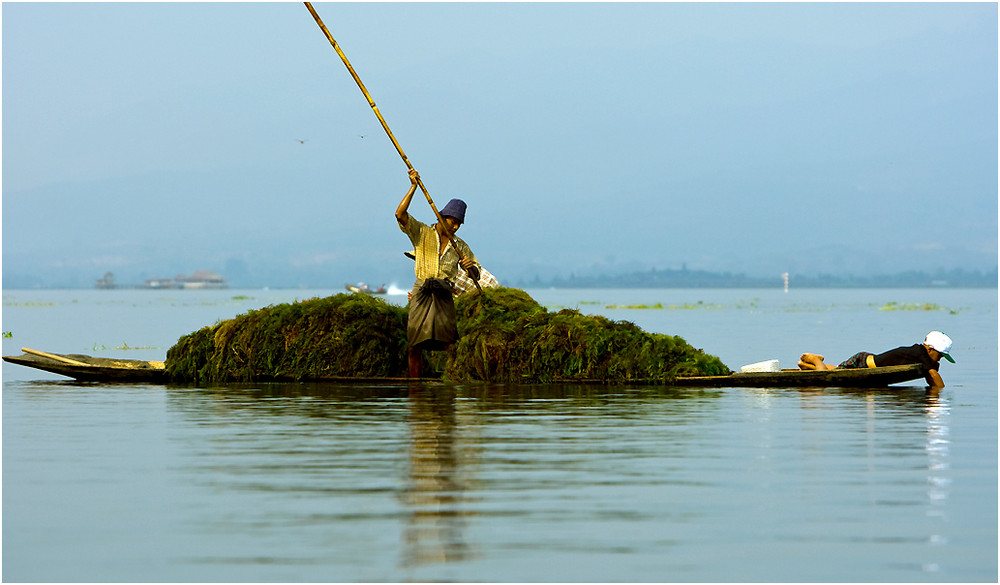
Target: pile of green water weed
x,y
505,336
346,335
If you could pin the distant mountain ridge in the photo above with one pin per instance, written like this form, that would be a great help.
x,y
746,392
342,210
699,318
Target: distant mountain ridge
x,y
272,273
957,278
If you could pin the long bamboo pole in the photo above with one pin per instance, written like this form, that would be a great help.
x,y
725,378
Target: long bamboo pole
x,y
474,276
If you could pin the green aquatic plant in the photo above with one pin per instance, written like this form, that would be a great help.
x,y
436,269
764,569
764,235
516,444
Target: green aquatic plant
x,y
126,347
682,307
699,305
123,347
894,306
340,336
505,336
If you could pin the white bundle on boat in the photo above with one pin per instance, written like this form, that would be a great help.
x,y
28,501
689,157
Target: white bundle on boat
x,y
764,366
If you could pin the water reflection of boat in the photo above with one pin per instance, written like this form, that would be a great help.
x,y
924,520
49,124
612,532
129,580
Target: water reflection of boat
x,y
83,367
845,378
363,288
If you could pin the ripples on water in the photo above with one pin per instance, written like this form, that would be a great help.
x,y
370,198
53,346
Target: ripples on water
x,y
328,483
573,483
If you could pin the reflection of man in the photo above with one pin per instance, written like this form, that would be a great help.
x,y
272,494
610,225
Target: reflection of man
x,y
936,447
434,494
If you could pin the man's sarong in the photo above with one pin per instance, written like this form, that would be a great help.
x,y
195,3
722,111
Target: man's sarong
x,y
431,321
858,360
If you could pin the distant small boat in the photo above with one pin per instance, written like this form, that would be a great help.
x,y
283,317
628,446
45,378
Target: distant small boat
x,y
202,279
362,287
96,369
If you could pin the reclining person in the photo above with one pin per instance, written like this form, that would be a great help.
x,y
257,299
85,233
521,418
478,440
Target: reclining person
x,y
928,354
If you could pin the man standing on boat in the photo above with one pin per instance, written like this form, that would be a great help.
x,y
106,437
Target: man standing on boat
x,y
431,324
928,354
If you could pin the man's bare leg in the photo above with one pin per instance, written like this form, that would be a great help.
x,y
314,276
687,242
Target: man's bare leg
x,y
415,359
812,361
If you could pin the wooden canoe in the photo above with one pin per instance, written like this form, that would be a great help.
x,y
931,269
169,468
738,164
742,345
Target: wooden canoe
x,y
91,369
87,368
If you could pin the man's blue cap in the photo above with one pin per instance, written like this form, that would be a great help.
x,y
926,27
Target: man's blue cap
x,y
455,208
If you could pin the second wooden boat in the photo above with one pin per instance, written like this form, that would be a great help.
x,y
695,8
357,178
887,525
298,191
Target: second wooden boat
x,y
92,369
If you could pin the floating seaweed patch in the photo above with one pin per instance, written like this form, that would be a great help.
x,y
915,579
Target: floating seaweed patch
x,y
123,347
29,303
894,306
505,336
681,307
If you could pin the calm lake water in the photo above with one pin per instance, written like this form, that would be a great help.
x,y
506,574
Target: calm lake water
x,y
306,482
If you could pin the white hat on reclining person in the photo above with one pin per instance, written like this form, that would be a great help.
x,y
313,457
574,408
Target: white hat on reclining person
x,y
941,343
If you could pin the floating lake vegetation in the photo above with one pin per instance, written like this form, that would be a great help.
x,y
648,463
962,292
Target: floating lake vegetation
x,y
123,347
505,336
894,306
680,307
754,305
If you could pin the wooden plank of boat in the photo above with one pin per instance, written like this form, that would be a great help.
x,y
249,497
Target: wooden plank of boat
x,y
87,368
854,378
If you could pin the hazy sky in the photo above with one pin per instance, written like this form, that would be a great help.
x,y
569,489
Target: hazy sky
x,y
149,139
